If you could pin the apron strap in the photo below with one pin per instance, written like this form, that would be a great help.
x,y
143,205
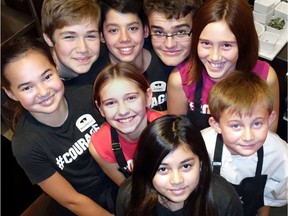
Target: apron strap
x,y
260,154
217,160
117,149
198,94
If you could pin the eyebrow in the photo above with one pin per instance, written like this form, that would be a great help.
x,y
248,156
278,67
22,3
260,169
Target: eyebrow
x,y
73,32
182,162
174,27
203,39
125,95
128,24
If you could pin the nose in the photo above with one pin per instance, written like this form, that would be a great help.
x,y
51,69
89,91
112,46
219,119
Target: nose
x,y
170,42
123,109
42,90
81,45
247,134
124,36
215,54
176,177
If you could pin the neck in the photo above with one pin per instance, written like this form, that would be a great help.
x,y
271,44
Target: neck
x,y
64,71
56,118
142,61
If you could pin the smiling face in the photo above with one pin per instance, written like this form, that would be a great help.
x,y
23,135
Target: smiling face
x,y
171,52
177,177
246,134
123,104
35,83
124,36
76,46
218,50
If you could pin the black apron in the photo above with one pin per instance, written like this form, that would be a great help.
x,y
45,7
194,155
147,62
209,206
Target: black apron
x,y
200,120
250,189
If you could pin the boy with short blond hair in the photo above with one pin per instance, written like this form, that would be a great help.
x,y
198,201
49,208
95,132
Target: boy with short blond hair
x,y
71,29
241,147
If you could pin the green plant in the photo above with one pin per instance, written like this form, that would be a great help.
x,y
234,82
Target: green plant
x,y
277,23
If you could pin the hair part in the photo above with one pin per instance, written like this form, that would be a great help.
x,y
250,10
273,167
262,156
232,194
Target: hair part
x,y
119,70
164,135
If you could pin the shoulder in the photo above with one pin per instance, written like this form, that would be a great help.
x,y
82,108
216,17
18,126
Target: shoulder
x,y
175,78
262,69
208,133
274,143
74,91
153,114
220,184
225,197
156,64
102,134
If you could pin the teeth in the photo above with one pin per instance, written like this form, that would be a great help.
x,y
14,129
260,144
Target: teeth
x,y
125,120
126,49
216,65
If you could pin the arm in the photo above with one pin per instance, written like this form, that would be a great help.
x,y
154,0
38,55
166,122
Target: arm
x,y
263,211
63,192
177,102
110,169
272,81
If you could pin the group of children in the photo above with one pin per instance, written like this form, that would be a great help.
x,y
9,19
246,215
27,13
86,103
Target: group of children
x,y
109,144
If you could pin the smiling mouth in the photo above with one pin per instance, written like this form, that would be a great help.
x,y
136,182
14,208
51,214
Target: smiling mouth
x,y
178,191
125,120
126,49
82,59
46,101
216,65
172,52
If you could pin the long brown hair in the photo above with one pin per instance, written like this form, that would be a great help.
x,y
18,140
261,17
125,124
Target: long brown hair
x,y
239,17
159,138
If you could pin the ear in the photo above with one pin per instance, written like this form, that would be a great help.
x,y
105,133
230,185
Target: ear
x,y
271,117
214,124
146,31
10,94
148,97
99,108
48,40
102,39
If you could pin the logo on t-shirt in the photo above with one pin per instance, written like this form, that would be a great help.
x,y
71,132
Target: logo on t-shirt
x,y
158,86
84,122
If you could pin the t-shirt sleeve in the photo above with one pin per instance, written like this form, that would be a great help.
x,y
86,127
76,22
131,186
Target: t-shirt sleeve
x,y
102,143
32,159
225,197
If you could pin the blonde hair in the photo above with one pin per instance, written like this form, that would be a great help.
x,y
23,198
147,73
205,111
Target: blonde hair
x,y
56,14
239,92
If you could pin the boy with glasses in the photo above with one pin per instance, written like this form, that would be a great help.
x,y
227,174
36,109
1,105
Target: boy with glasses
x,y
170,24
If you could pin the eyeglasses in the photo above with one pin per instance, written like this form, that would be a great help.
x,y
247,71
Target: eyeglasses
x,y
177,36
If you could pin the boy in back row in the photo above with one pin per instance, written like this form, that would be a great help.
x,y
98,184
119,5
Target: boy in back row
x,y
241,147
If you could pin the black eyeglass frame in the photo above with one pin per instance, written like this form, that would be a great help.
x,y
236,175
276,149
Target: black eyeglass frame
x,y
172,35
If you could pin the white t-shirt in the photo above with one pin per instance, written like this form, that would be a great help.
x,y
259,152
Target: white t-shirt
x,y
234,168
